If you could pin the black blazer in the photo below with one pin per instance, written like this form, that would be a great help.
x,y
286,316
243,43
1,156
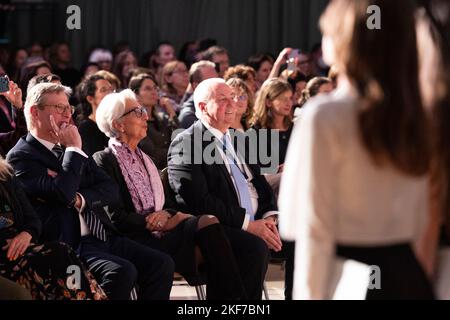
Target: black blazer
x,y
203,188
125,216
25,218
52,197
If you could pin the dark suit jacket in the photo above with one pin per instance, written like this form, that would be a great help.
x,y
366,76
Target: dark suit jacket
x,y
187,115
203,188
51,197
125,216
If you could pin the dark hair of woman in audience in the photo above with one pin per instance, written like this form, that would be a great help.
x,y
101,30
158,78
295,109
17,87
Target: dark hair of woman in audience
x,y
31,70
162,119
16,61
90,93
149,214
298,83
314,87
42,269
262,64
273,115
244,101
124,62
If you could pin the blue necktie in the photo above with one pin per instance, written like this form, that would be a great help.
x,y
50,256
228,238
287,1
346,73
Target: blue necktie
x,y
239,179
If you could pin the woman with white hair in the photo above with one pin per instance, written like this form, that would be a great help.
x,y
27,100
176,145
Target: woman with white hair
x,y
144,214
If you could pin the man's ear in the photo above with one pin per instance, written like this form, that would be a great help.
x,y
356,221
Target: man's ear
x,y
34,111
202,106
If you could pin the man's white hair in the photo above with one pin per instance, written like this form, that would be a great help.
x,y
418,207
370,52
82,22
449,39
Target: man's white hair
x,y
112,108
204,93
36,97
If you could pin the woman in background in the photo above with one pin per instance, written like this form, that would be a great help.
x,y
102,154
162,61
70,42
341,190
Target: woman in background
x,y
355,184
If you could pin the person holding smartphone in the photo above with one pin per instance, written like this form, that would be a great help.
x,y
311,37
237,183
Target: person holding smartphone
x,y
12,120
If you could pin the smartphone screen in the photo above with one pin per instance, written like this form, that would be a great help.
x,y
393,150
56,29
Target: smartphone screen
x,y
4,83
292,57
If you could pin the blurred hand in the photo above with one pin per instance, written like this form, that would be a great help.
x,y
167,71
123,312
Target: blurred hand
x,y
14,95
17,245
283,56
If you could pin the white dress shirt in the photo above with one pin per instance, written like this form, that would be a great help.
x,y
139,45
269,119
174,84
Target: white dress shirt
x,y
49,145
332,193
244,168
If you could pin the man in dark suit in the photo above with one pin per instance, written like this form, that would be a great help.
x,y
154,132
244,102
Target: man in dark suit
x,y
209,176
72,197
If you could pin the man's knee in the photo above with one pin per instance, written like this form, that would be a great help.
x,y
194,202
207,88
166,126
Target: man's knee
x,y
207,220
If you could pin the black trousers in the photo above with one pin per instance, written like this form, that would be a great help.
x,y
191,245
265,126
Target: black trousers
x,y
120,263
287,254
401,275
252,257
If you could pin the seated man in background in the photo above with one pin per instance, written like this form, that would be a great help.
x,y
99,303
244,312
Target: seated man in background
x,y
72,197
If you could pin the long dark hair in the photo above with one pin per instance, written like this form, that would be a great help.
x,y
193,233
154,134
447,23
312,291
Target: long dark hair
x,y
382,65
436,15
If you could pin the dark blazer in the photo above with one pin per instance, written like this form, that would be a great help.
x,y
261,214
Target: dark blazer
x,y
203,188
52,197
25,218
159,135
187,115
125,216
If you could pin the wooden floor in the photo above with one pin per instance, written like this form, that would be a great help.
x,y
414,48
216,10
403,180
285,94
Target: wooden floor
x,y
274,284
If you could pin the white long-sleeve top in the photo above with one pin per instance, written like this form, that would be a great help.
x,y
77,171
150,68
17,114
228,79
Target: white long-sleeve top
x,y
332,193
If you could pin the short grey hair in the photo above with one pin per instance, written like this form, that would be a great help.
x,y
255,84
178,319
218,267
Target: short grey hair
x,y
36,97
195,72
112,108
204,92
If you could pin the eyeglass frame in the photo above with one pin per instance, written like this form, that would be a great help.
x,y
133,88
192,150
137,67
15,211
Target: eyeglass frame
x,y
143,110
57,108
241,97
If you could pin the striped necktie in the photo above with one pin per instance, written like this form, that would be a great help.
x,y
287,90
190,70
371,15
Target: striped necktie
x,y
58,151
94,224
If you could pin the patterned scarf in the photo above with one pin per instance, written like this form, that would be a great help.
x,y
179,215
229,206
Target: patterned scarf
x,y
141,176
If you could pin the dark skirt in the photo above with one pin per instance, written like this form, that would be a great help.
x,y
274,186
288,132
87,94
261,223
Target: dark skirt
x,y
401,275
43,271
179,243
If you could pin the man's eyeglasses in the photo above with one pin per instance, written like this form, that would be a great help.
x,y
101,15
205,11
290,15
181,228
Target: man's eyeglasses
x,y
138,111
61,109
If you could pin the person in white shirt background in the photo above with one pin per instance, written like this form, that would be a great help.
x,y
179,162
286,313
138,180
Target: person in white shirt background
x,y
355,181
